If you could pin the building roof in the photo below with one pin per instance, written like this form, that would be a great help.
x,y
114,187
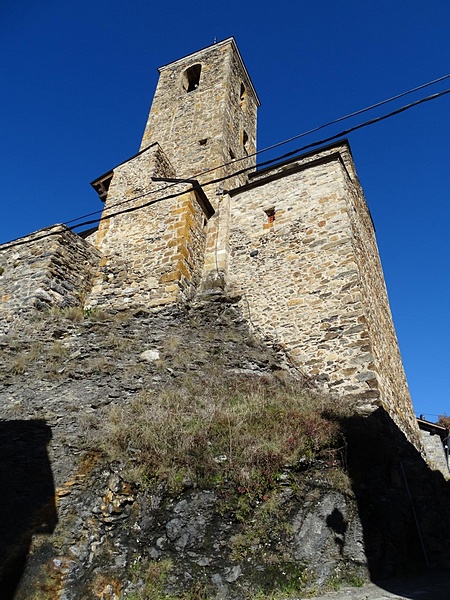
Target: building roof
x,y
292,165
433,428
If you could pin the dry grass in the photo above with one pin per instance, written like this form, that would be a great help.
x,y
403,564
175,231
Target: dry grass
x,y
18,362
236,432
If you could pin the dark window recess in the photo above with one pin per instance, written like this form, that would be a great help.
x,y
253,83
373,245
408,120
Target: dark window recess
x,y
270,212
232,155
191,78
245,141
203,142
242,93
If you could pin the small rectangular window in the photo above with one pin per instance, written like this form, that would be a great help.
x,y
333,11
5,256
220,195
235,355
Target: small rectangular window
x,y
270,212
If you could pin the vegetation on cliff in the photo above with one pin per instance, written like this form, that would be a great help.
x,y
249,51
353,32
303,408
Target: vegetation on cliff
x,y
189,458
236,432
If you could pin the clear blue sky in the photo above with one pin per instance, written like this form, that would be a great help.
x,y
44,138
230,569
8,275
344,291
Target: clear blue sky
x,y
77,79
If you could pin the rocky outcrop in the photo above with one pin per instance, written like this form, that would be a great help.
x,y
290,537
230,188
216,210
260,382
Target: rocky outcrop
x,y
93,528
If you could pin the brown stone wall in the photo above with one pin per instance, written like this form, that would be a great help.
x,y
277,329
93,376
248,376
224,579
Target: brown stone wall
x,y
217,251
51,267
304,257
153,253
186,235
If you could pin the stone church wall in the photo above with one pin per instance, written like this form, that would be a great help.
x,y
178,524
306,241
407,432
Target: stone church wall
x,y
152,252
435,452
391,378
303,255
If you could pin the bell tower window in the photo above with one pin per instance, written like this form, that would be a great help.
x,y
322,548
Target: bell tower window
x,y
191,78
245,141
243,96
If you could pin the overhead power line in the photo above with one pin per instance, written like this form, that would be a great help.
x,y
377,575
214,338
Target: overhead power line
x,y
290,154
278,144
356,113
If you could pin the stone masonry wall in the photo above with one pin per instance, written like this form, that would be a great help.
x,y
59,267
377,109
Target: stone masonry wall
x,y
217,250
435,452
303,255
51,267
391,378
152,254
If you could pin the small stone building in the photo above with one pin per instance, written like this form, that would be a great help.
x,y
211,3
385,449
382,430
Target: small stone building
x,y
190,217
435,440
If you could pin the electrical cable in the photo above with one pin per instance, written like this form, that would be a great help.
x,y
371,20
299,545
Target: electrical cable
x,y
282,143
353,114
290,154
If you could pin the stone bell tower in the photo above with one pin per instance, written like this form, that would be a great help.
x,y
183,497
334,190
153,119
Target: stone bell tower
x,y
203,114
158,204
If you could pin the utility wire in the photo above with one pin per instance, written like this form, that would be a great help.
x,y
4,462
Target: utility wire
x,y
354,114
360,126
290,154
278,144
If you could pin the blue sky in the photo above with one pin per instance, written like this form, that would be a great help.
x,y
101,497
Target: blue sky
x,y
77,79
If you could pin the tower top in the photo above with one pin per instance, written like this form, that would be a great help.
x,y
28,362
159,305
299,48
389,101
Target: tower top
x,y
203,115
197,56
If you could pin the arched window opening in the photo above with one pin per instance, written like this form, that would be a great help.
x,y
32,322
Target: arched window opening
x,y
191,78
243,93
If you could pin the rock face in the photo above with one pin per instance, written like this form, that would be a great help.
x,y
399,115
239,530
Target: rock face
x,y
93,530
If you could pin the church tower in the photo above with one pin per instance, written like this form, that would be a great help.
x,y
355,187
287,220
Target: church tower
x,y
158,204
293,244
203,115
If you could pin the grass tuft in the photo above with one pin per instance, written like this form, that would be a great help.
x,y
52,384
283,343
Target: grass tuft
x,y
238,433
